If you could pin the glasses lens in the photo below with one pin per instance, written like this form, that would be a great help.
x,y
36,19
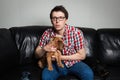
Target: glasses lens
x,y
58,18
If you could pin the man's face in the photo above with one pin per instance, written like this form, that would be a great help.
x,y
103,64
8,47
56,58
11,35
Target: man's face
x,y
58,20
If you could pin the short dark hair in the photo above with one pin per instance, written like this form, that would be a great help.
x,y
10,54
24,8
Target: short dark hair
x,y
59,8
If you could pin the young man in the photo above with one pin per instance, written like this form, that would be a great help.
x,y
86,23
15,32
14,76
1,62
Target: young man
x,y
73,52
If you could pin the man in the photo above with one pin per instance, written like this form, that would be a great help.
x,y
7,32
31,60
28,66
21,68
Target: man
x,y
73,52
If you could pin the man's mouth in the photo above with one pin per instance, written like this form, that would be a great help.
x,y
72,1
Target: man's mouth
x,y
57,26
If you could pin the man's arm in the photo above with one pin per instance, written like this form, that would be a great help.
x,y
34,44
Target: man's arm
x,y
80,55
39,52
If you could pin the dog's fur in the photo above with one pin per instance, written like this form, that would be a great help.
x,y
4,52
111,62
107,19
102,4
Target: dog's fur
x,y
46,59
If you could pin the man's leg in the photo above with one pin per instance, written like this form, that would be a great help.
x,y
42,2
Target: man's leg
x,y
54,74
82,70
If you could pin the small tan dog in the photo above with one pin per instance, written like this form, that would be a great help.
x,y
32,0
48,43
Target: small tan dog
x,y
46,59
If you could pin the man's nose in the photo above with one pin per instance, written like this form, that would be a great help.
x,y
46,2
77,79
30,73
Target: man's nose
x,y
57,20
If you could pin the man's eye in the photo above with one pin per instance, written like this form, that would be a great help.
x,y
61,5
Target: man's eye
x,y
61,17
54,18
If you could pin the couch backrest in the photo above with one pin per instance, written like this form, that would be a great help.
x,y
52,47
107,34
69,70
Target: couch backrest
x,y
109,46
9,56
27,38
90,42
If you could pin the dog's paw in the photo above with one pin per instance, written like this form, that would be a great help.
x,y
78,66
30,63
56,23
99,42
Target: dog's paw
x,y
62,66
50,68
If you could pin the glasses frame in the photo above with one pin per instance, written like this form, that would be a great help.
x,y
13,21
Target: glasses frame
x,y
58,18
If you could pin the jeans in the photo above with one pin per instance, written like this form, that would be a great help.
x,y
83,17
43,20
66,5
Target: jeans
x,y
80,69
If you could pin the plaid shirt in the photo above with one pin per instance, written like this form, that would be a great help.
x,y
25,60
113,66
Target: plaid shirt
x,y
73,39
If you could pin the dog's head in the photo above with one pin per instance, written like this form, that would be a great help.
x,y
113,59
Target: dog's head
x,y
57,42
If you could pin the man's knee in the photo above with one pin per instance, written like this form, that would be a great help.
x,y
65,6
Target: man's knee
x,y
88,75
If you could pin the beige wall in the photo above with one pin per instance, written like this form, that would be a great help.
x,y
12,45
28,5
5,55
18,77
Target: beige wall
x,y
86,13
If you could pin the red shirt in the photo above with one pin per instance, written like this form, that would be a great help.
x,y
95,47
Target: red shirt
x,y
73,39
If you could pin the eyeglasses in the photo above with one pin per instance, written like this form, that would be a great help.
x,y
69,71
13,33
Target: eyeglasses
x,y
58,18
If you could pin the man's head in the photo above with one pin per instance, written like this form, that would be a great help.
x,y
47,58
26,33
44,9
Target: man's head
x,y
61,9
59,16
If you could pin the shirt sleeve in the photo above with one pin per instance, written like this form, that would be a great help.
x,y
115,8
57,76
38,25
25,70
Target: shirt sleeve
x,y
78,39
44,38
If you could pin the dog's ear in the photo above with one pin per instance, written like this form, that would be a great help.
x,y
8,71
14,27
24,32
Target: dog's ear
x,y
60,45
51,39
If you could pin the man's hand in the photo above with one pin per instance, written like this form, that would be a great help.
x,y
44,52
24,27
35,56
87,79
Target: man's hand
x,y
49,47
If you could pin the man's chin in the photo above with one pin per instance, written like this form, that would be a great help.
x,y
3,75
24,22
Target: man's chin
x,y
58,29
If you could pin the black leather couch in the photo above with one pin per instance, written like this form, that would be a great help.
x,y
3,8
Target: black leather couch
x,y
17,46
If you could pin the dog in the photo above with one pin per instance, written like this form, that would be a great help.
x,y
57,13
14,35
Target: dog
x,y
56,42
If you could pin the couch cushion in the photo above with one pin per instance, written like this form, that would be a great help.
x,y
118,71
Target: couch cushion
x,y
109,46
9,56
